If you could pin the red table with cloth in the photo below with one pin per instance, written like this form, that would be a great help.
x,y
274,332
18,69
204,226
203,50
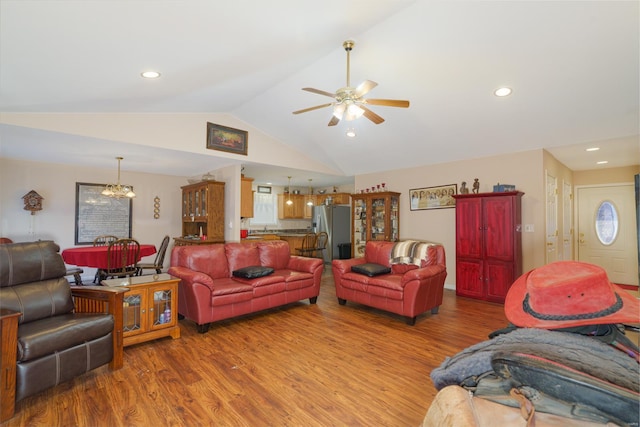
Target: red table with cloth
x,y
96,256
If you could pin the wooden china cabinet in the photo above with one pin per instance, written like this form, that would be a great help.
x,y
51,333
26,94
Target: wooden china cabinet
x,y
202,213
488,244
375,216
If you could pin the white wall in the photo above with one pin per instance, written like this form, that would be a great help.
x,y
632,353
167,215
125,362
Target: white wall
x,y
57,185
524,170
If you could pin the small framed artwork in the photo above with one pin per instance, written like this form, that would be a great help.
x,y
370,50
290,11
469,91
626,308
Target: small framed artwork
x,y
433,197
264,190
223,138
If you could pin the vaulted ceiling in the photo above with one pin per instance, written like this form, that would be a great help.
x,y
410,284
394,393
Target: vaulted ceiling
x,y
573,67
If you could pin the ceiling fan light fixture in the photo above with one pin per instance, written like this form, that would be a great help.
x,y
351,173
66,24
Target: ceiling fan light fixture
x,y
353,112
351,133
338,111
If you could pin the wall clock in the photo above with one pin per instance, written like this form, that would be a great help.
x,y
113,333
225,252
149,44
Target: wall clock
x,y
32,202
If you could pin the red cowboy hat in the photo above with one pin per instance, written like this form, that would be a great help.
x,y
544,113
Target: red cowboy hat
x,y
565,294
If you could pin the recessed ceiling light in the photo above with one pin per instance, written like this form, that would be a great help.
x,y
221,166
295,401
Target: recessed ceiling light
x,y
503,91
351,133
150,74
602,162
593,149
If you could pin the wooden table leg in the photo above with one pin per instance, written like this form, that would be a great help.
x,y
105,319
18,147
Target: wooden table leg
x,y
8,354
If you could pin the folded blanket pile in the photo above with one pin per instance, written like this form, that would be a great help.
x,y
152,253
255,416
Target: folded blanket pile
x,y
409,252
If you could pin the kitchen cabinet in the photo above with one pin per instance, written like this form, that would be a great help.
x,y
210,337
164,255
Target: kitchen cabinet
x,y
336,198
375,216
293,211
488,244
246,198
293,241
203,212
150,307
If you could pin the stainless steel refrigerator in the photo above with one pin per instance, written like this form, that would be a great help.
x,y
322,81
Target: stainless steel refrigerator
x,y
336,221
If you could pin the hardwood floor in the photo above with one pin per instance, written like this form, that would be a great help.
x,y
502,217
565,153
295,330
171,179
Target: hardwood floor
x,y
300,365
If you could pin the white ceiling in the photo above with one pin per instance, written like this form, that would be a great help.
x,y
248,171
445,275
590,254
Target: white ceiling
x,y
573,67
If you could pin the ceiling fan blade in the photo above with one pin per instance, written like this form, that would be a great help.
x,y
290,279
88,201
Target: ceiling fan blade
x,y
319,92
371,115
387,102
334,121
365,87
313,108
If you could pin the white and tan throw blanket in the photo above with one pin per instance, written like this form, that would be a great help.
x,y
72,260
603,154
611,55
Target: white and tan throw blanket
x,y
409,252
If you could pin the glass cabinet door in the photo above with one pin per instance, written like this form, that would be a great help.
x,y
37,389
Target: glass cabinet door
x,y
359,226
134,312
378,217
394,219
162,310
203,202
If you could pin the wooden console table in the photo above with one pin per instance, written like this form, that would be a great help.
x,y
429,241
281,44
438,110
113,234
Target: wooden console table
x,y
150,307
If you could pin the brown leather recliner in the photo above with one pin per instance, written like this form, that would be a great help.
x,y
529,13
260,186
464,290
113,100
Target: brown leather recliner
x,y
62,332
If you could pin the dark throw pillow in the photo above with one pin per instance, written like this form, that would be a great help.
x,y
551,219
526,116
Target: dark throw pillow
x,y
252,272
370,269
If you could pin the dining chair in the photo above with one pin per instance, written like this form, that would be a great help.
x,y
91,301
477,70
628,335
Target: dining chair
x,y
158,262
102,240
308,245
321,244
122,257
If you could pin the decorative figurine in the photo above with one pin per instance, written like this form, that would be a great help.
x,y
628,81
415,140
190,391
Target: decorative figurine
x,y
476,186
463,188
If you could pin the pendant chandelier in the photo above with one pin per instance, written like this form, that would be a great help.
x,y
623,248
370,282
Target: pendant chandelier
x,y
310,201
118,191
289,201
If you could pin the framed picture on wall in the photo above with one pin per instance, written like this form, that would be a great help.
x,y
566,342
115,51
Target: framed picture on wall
x,y
97,214
224,138
438,197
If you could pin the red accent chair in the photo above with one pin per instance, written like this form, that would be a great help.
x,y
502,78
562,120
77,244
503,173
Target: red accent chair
x,y
408,290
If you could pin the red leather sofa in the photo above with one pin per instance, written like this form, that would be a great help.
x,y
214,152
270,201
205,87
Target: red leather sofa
x,y
408,290
208,291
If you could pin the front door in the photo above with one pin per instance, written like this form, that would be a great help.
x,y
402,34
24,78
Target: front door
x,y
607,232
551,235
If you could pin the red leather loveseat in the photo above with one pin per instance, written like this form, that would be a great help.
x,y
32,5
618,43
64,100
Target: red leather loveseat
x,y
209,291
413,285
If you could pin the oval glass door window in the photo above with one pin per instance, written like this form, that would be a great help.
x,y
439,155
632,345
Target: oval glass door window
x,y
607,223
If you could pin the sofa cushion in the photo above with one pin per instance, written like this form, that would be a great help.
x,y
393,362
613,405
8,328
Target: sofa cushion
x,y
38,300
252,272
371,269
208,259
241,255
274,253
46,336
402,268
28,262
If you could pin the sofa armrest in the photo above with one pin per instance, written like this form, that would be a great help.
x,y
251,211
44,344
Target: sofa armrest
x,y
189,276
102,299
305,264
423,273
342,266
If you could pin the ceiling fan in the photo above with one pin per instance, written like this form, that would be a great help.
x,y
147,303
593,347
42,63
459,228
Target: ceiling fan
x,y
349,102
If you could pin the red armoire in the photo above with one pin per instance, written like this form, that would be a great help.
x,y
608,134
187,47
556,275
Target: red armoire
x,y
488,244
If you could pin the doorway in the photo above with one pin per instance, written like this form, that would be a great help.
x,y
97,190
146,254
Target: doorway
x,y
607,233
